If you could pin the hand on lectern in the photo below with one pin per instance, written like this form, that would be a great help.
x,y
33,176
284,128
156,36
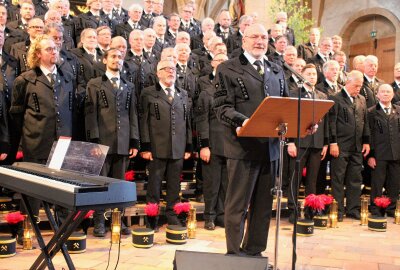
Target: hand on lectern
x,y
244,123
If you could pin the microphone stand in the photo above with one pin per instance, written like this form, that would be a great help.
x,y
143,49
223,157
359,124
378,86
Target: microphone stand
x,y
302,81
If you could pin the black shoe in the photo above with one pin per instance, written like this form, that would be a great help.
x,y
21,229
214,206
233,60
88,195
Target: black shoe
x,y
99,230
354,215
340,217
99,224
209,225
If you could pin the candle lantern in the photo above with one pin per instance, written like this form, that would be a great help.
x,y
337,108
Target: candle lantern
x,y
116,226
28,233
192,223
397,213
364,211
333,215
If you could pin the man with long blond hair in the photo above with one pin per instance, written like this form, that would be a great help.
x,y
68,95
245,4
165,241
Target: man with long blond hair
x,y
44,99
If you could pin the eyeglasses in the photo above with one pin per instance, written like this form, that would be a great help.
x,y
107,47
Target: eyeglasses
x,y
256,37
58,38
50,49
168,69
36,27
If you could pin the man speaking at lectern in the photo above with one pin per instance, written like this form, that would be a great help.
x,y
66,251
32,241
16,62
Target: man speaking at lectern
x,y
242,83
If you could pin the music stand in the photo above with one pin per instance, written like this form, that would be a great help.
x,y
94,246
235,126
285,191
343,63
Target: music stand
x,y
278,117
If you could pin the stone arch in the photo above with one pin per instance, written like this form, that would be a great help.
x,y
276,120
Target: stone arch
x,y
356,19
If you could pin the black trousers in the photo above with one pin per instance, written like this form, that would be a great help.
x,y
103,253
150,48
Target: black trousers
x,y
14,143
170,170
215,181
33,202
286,176
311,159
386,171
322,182
346,172
248,198
114,166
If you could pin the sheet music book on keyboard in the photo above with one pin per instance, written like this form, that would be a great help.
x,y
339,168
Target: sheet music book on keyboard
x,y
72,190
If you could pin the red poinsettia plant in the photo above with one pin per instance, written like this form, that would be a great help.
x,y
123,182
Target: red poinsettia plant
x,y
382,202
130,175
151,209
13,219
182,209
317,205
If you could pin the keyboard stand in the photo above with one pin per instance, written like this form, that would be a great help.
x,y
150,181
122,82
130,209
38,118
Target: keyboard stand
x,y
57,242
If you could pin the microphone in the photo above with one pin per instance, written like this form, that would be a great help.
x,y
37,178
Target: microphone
x,y
298,75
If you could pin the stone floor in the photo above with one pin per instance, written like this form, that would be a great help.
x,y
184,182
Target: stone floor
x,y
350,246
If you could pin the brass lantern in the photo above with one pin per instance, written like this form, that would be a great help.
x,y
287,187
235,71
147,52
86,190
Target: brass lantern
x,y
397,213
192,223
364,211
115,226
333,215
27,234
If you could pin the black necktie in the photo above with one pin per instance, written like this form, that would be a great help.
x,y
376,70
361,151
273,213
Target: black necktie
x,y
387,110
334,88
114,81
52,77
139,58
169,91
183,68
259,69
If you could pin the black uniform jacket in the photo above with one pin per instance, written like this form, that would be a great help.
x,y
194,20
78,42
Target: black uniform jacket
x,y
240,90
43,113
348,123
210,130
165,126
385,132
321,137
111,116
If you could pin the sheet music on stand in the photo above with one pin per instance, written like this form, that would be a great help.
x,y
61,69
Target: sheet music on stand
x,y
82,157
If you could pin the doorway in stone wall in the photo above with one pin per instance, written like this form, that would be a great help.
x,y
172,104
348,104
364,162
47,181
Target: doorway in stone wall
x,y
372,31
382,48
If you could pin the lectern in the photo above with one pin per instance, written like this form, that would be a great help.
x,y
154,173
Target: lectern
x,y
279,117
